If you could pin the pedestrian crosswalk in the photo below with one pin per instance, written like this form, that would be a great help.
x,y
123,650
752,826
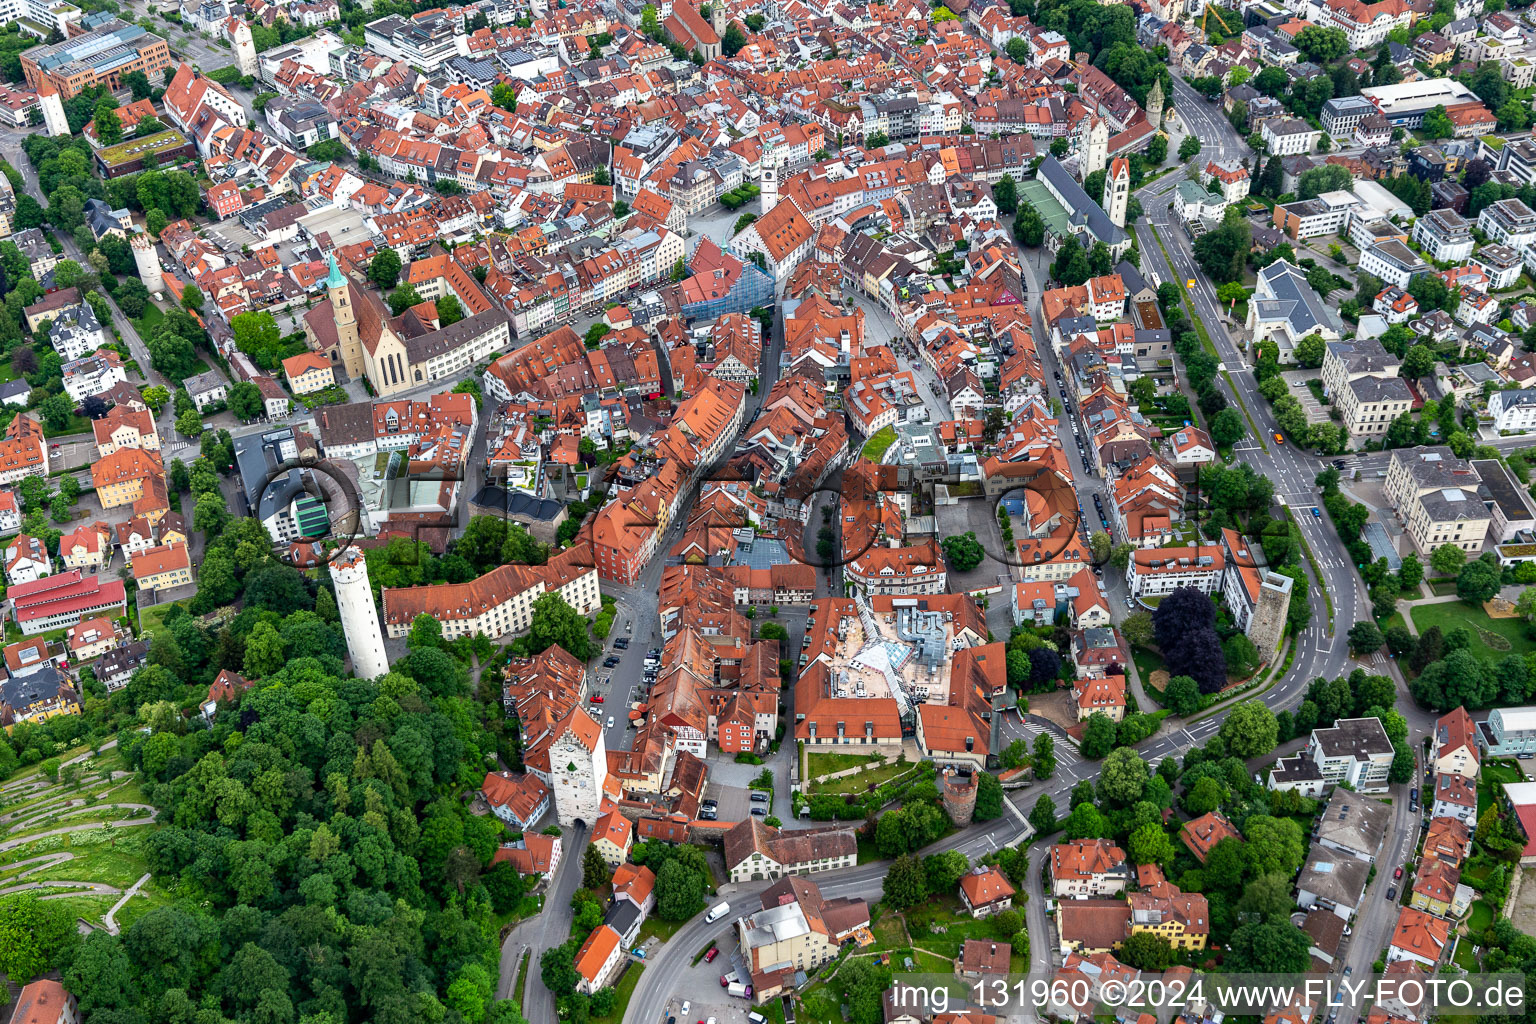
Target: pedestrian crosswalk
x,y
1013,729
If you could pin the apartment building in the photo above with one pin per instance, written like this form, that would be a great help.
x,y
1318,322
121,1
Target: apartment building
x,y
1353,750
1444,235
1455,745
1088,869
1508,222
1155,572
754,850
795,930
1393,262
1361,376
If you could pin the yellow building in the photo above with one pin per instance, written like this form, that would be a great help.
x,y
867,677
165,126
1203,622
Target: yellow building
x,y
169,565
37,696
1184,919
308,372
123,427
122,477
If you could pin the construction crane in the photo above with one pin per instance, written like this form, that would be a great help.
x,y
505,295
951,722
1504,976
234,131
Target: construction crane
x,y
1210,9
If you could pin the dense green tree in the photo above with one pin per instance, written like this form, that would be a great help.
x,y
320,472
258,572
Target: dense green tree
x,y
35,935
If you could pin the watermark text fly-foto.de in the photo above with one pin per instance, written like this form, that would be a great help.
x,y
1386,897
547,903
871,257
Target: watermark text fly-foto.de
x,y
1194,993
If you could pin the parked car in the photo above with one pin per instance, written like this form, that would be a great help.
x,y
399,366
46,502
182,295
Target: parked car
x,y
709,957
760,811
597,698
1392,892
759,797
1398,873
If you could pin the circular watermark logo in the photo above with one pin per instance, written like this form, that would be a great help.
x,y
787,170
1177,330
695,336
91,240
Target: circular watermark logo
x,y
322,502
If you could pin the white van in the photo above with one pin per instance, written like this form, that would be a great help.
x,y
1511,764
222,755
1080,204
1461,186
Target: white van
x,y
717,913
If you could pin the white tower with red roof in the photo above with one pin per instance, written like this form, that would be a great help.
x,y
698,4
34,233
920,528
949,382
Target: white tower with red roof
x,y
53,108
359,618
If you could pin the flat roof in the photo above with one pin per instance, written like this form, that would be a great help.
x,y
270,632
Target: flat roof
x,y
137,149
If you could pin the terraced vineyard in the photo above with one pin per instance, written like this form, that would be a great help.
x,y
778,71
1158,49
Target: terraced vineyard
x,y
79,838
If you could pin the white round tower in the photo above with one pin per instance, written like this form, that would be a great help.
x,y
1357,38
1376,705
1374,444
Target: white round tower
x,y
359,618
148,262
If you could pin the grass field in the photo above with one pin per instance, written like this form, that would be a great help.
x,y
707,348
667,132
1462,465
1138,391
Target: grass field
x,y
1480,917
153,617
861,782
655,928
826,764
1493,639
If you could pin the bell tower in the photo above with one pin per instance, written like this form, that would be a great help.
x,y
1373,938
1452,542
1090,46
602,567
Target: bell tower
x,y
348,342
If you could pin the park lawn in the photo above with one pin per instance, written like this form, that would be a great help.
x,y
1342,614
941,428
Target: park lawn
x,y
1493,639
1480,917
655,928
147,322
625,989
826,764
1147,662
862,782
153,617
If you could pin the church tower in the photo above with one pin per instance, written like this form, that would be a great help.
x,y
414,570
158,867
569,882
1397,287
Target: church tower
x,y
245,48
53,108
1155,105
1095,147
1117,190
718,18
348,342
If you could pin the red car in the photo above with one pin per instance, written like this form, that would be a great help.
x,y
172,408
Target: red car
x,y
723,982
1398,873
597,698
709,957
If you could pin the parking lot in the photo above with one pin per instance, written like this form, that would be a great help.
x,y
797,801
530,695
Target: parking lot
x,y
721,1008
734,803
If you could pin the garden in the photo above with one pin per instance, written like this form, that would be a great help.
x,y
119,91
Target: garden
x,y
1493,639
